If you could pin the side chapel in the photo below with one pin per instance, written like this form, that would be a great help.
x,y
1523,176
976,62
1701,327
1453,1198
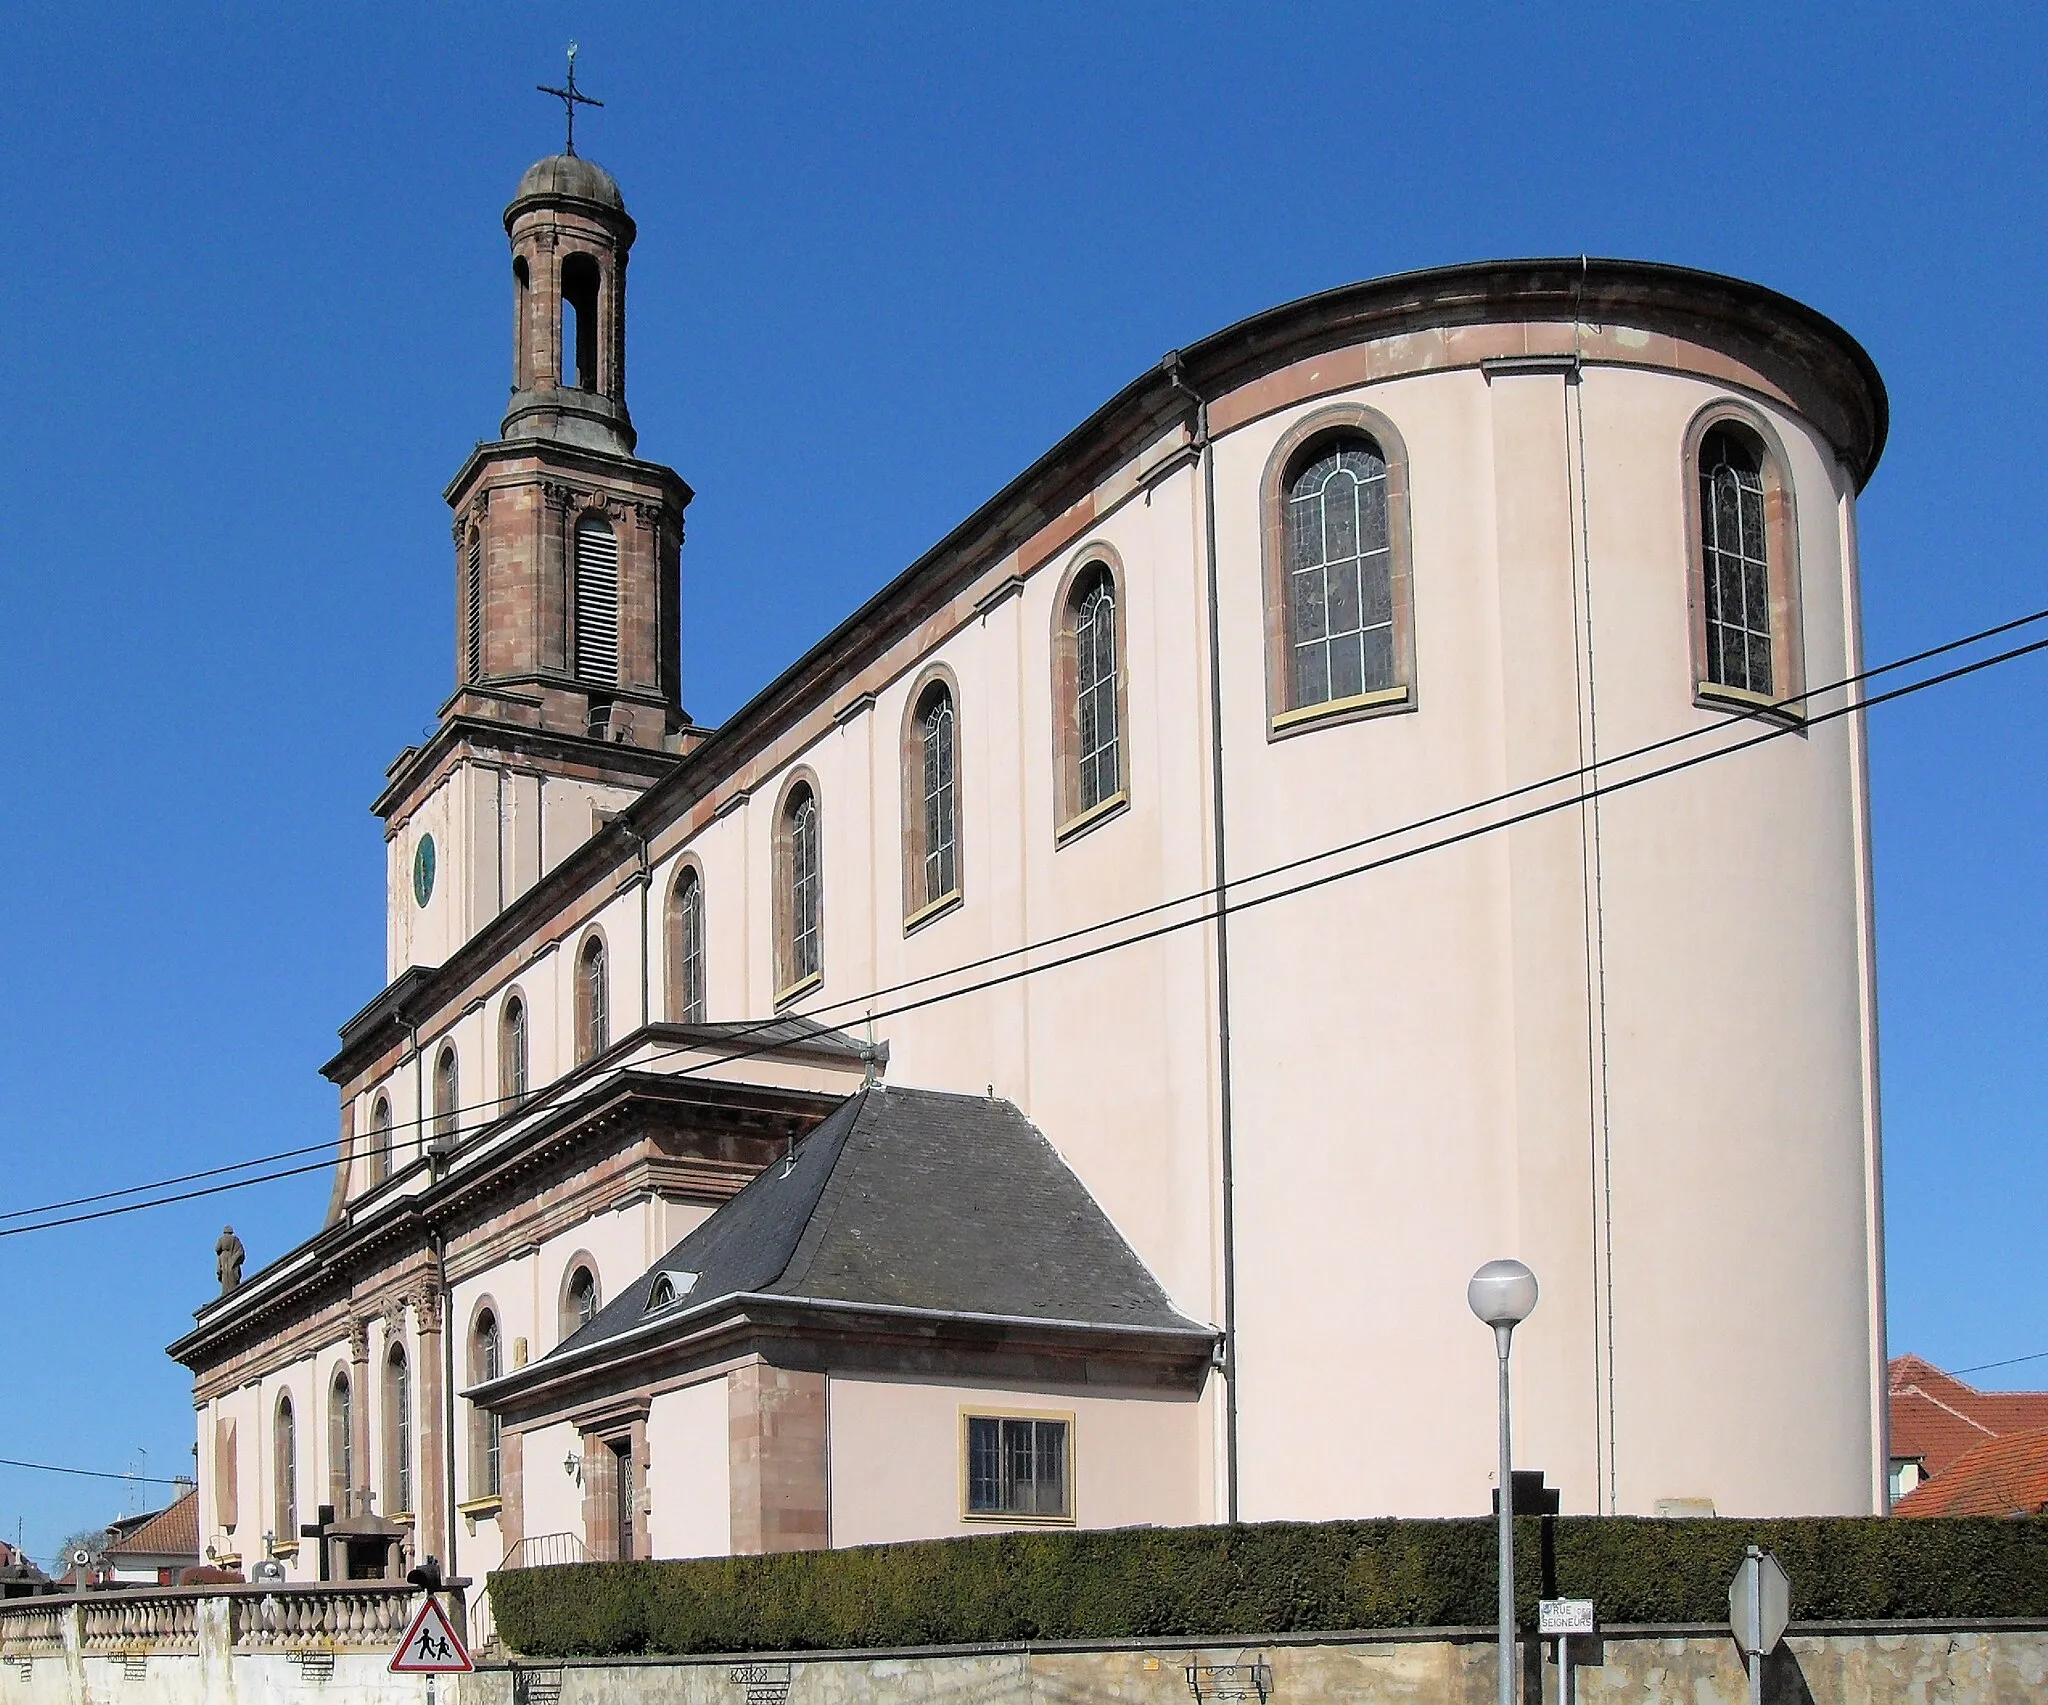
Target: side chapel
x,y
861,1121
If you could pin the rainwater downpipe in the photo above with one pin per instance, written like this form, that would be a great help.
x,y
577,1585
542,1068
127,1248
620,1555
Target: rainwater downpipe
x,y
646,946
1206,452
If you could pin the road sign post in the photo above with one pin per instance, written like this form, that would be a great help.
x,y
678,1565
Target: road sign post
x,y
1759,1608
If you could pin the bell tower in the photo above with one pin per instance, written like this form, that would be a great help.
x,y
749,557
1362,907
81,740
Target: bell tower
x,y
568,548
568,582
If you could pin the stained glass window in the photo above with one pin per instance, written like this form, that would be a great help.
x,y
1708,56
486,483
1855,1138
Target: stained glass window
x,y
1098,744
1340,575
1735,565
593,1000
686,945
512,1058
806,888
941,862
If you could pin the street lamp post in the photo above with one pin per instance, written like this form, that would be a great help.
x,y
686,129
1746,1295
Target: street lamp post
x,y
1503,1294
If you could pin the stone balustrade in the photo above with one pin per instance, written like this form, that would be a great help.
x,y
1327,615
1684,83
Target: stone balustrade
x,y
349,1616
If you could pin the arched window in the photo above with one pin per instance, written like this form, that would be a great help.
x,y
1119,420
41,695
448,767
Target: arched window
x,y
1745,582
380,1139
593,1000
1340,572
686,998
487,1431
287,1442
473,604
597,602
581,278
1088,694
341,1443
447,1094
799,893
397,1432
579,1298
1339,622
512,1053
931,800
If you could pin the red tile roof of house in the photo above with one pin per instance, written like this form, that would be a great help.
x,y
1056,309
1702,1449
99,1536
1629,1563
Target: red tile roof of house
x,y
1938,1418
171,1532
2005,1476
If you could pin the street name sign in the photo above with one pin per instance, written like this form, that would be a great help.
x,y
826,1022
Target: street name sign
x,y
1559,1617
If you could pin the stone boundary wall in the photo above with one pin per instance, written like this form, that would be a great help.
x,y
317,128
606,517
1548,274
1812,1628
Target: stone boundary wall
x,y
1957,1663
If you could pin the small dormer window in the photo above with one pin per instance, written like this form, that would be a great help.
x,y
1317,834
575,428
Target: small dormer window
x,y
670,1288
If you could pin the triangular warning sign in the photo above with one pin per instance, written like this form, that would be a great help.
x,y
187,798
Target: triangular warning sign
x,y
431,1645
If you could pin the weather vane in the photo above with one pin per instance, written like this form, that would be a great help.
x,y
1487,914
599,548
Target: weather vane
x,y
571,98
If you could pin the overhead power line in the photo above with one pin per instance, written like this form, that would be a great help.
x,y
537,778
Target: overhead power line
x,y
2009,1362
92,1473
863,1005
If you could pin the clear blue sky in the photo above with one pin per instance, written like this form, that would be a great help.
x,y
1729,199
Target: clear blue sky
x,y
258,310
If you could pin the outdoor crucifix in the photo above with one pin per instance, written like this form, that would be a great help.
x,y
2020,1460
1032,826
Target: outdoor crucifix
x,y
571,98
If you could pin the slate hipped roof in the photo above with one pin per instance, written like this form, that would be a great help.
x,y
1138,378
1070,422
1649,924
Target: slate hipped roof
x,y
909,1199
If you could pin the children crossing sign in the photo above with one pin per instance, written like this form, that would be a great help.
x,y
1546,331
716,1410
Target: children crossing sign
x,y
431,1645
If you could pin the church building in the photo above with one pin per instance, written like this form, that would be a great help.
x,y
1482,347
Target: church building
x,y
1372,798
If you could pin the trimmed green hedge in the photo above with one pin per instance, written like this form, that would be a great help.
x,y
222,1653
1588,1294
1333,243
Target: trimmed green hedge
x,y
1283,1577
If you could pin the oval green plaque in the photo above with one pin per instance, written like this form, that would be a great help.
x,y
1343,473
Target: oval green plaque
x,y
423,870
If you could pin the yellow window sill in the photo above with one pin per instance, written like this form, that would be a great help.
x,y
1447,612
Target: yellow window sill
x,y
1096,813
1382,700
1714,695
937,909
800,988
478,1508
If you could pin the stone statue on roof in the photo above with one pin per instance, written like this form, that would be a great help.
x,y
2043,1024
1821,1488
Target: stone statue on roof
x,y
227,1259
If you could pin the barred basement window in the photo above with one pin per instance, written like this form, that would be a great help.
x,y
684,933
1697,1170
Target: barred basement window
x,y
1019,1466
475,604
597,601
686,998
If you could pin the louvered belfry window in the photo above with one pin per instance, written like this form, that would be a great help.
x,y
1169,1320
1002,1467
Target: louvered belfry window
x,y
597,601
475,603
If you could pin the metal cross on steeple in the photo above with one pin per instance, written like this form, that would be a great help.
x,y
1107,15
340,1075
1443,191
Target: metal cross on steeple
x,y
571,98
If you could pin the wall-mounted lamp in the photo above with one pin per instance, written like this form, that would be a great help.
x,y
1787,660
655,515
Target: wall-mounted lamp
x,y
572,1465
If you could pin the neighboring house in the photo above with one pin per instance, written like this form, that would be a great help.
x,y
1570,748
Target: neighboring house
x,y
156,1548
19,1575
1937,1420
2005,1476
1159,1216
